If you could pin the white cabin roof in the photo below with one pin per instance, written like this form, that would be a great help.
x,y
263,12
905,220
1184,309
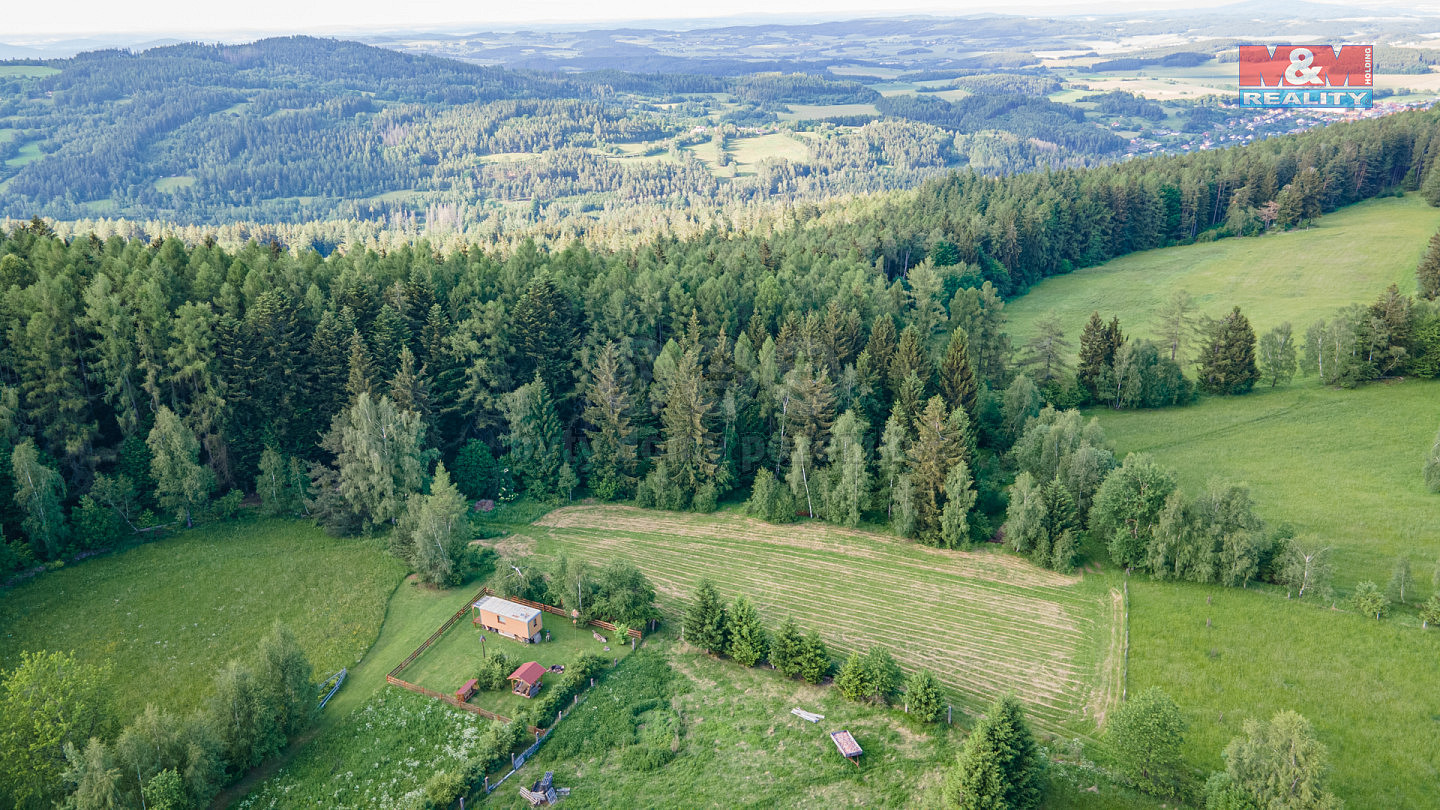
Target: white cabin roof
x,y
506,608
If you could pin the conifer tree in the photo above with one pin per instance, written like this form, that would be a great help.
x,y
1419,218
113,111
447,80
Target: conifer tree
x,y
546,334
1427,273
535,439
748,642
957,376
410,389
180,482
389,334
923,700
815,663
706,623
1045,353
881,350
1098,346
116,351
361,378
960,498
689,444
1000,765
786,649
851,680
1227,361
612,438
329,353
892,457
909,358
940,443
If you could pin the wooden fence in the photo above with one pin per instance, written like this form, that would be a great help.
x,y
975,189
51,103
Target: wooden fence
x,y
394,678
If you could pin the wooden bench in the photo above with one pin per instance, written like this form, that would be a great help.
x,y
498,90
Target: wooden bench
x,y
465,692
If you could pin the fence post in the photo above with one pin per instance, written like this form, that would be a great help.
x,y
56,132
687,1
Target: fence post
x,y
949,715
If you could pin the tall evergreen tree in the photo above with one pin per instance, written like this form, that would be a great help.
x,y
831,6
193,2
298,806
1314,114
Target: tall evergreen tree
x,y
706,623
957,376
941,441
747,639
1227,361
785,649
546,333
536,442
612,437
689,444
910,357
1427,273
1000,765
361,376
1045,353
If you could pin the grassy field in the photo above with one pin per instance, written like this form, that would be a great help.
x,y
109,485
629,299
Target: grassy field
x,y
1299,276
29,153
176,183
810,112
1359,486
27,70
1371,689
172,612
984,623
452,660
734,743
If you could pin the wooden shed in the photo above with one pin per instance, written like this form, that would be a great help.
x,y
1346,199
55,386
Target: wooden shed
x,y
526,678
509,619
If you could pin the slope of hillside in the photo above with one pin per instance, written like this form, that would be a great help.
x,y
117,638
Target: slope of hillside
x,y
1298,276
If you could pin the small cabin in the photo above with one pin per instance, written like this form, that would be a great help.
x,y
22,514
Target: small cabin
x,y
509,619
526,678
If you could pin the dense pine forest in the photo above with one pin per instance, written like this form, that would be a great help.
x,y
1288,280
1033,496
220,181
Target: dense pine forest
x,y
853,364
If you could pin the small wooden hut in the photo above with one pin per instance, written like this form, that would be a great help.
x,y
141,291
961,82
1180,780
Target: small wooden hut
x,y
508,618
847,745
526,679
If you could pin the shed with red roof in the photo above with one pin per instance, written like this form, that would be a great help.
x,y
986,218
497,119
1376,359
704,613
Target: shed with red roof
x,y
526,678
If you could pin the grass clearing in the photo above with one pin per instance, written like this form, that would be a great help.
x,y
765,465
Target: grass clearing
x,y
36,71
1359,486
983,622
169,184
169,614
29,153
453,659
812,112
1299,276
1371,689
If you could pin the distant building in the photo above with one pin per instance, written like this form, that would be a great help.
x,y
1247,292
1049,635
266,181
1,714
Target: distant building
x,y
508,619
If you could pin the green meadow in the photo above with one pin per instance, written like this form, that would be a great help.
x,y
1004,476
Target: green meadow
x,y
169,614
1342,467
1298,276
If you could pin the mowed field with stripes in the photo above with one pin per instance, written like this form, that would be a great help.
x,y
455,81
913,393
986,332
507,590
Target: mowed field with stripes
x,y
985,623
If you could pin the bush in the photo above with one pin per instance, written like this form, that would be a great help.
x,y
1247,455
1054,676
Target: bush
x,y
494,669
770,500
477,473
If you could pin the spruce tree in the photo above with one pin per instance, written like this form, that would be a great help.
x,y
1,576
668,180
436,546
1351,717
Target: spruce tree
x,y
706,623
852,681
545,332
910,358
786,649
1427,273
361,378
957,376
923,700
1000,765
689,443
1098,345
379,459
433,534
612,437
940,443
747,640
1227,361
535,438
815,663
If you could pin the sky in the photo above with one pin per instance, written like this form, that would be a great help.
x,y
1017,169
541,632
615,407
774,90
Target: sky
x,y
73,18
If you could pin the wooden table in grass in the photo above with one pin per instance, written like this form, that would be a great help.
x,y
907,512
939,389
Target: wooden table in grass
x,y
847,745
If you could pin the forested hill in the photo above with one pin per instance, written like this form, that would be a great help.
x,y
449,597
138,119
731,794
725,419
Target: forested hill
x,y
715,355
300,129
